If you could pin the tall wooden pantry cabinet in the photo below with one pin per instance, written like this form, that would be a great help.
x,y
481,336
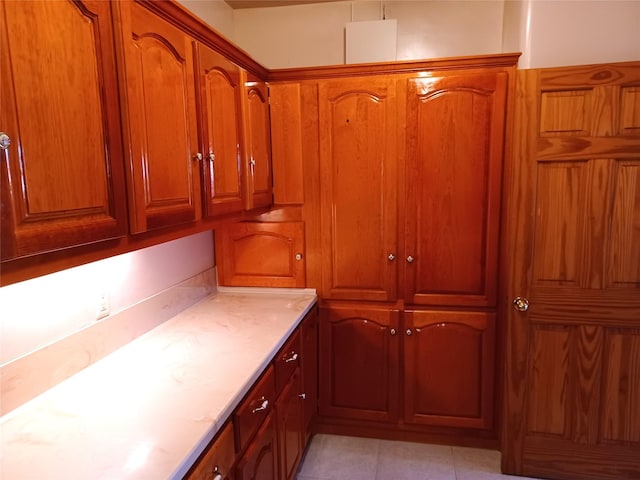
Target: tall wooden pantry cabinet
x,y
406,216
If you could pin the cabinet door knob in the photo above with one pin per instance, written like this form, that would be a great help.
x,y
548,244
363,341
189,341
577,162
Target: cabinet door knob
x,y
410,259
391,257
5,141
263,406
393,331
409,332
303,396
521,304
197,156
217,474
298,256
212,157
291,358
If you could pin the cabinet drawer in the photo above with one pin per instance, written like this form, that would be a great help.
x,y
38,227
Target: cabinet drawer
x,y
287,361
218,458
255,408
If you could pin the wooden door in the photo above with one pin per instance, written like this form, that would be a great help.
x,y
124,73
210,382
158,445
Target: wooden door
x,y
454,150
163,177
309,338
572,404
260,460
266,254
289,410
62,176
257,141
449,368
359,348
219,93
358,181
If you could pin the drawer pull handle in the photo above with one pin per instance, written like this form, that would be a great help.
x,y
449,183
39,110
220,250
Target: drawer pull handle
x,y
292,358
303,396
217,475
263,406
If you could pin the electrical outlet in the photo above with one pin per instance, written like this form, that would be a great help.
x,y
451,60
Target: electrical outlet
x,y
103,308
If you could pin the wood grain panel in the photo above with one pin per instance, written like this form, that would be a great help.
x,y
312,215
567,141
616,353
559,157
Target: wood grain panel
x,y
286,143
549,381
630,111
565,113
62,176
621,416
261,254
449,364
454,142
559,222
358,188
359,363
220,124
624,254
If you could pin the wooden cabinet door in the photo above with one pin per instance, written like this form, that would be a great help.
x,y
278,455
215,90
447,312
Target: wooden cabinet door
x,y
309,337
289,411
62,177
219,93
449,368
218,458
257,141
572,376
358,170
359,348
261,254
454,150
163,177
260,460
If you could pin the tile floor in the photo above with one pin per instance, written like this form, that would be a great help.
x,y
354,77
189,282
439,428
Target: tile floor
x,y
332,457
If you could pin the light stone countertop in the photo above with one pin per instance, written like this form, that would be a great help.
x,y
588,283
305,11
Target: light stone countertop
x,y
149,409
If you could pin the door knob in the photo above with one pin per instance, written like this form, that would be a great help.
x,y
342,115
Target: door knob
x,y
521,304
410,259
409,332
5,141
391,257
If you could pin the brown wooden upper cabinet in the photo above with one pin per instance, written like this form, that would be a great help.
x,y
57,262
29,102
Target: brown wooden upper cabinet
x,y
159,109
257,143
358,187
62,178
220,89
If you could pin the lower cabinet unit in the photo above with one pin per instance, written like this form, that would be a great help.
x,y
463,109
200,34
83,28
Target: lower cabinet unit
x,y
449,368
270,428
260,460
359,362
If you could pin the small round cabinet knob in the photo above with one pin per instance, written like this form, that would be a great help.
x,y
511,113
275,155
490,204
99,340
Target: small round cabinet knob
x,y
393,331
298,256
217,475
197,156
5,141
521,304
410,259
409,332
391,257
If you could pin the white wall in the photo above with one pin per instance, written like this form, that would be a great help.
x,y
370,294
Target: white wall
x,y
46,309
311,35
216,13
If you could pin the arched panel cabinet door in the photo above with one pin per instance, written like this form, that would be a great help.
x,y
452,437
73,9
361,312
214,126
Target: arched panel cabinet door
x,y
257,142
359,348
62,178
219,90
159,105
260,460
449,368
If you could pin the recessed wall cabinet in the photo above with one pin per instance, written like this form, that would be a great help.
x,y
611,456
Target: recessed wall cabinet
x,y
61,146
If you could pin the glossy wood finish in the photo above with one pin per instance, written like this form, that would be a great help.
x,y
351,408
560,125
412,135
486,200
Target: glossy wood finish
x,y
163,177
219,90
261,254
454,149
290,416
287,143
309,339
573,359
359,362
257,141
62,178
254,409
260,461
218,458
449,368
287,361
358,190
